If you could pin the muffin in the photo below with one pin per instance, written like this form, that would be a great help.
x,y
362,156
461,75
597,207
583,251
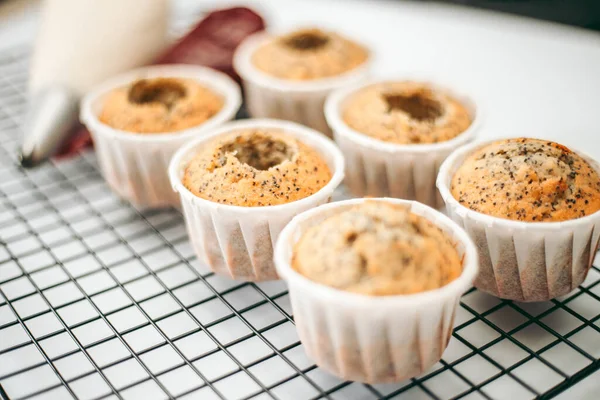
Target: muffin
x,y
256,168
374,285
395,134
243,182
160,105
527,180
377,249
309,54
406,113
531,206
289,76
138,120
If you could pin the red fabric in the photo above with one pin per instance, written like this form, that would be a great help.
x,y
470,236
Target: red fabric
x,y
78,140
213,41
210,43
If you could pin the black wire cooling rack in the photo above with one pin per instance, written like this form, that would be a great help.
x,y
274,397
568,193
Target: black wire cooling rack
x,y
98,300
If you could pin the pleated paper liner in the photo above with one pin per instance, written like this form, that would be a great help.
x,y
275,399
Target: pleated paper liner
x,y
135,165
238,241
373,339
524,261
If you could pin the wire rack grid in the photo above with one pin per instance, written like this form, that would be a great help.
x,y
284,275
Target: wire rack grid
x,y
100,300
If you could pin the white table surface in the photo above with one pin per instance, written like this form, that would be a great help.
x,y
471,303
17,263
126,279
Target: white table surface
x,y
531,78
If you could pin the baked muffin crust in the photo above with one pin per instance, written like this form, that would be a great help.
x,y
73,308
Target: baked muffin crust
x,y
406,113
308,54
160,105
377,249
256,168
527,180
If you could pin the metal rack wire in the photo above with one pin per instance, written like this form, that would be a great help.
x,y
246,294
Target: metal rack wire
x,y
99,300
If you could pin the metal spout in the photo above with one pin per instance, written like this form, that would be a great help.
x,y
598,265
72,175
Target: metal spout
x,y
49,121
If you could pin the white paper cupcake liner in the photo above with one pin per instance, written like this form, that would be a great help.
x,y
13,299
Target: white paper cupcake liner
x,y
381,169
238,241
524,261
373,339
270,97
135,165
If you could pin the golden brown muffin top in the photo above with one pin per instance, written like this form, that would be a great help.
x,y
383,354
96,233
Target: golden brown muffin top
x,y
377,248
160,105
308,54
405,113
256,168
527,180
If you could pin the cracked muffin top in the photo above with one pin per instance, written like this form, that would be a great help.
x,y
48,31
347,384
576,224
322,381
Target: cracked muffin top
x,y
253,168
160,105
378,249
527,180
405,112
308,54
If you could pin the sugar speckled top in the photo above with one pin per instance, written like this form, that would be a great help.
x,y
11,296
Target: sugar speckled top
x,y
405,112
160,105
256,168
527,180
309,54
377,248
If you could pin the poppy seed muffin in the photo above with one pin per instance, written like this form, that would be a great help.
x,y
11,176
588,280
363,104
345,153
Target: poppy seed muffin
x,y
405,112
527,180
160,105
377,248
308,54
256,168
